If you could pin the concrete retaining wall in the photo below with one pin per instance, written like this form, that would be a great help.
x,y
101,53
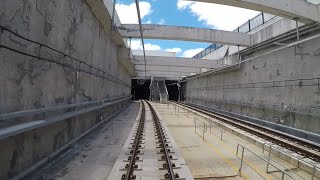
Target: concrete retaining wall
x,y
261,87
68,26
29,83
19,152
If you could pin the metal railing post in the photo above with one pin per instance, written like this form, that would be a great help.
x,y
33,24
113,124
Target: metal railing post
x,y
210,126
221,132
242,153
313,172
269,155
204,127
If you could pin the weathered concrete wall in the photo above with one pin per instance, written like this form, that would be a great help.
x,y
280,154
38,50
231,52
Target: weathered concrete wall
x,y
68,26
29,83
17,153
282,87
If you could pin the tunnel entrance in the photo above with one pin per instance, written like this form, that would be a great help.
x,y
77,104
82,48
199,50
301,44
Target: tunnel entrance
x,y
173,90
141,90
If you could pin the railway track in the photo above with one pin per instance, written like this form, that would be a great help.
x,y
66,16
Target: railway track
x,y
163,148
305,148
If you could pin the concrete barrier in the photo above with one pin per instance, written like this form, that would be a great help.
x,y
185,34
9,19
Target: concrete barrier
x,y
23,152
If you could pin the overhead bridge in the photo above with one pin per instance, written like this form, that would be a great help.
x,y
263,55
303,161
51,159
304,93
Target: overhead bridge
x,y
183,33
173,68
300,10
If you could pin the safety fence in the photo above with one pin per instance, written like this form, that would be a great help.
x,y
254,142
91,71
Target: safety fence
x,y
301,160
200,126
245,28
47,117
241,155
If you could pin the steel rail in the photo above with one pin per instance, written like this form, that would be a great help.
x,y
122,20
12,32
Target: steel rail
x,y
2,28
136,144
171,175
266,133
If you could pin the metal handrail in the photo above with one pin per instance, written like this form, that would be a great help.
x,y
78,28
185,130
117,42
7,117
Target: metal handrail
x,y
270,145
60,117
267,161
204,129
214,47
117,80
16,114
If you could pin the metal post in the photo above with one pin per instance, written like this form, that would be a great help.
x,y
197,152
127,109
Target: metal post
x,y
313,172
240,169
221,132
204,127
297,29
210,126
269,155
238,53
282,178
262,14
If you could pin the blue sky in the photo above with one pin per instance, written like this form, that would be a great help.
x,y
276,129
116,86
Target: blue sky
x,y
181,13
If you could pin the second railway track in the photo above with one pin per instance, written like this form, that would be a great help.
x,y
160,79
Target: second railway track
x,y
310,150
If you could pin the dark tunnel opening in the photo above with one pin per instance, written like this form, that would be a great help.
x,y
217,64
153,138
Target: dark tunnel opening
x,y
140,89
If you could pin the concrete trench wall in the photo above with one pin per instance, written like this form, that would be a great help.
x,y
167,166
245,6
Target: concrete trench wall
x,y
68,26
28,83
19,152
295,103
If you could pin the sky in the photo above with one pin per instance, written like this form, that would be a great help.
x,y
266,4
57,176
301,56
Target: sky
x,y
181,13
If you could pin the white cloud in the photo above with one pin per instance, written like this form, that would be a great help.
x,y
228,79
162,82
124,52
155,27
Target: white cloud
x,y
137,45
152,47
162,21
183,4
216,15
191,52
176,50
128,13
148,22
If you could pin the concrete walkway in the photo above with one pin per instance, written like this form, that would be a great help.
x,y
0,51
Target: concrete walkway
x,y
215,158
